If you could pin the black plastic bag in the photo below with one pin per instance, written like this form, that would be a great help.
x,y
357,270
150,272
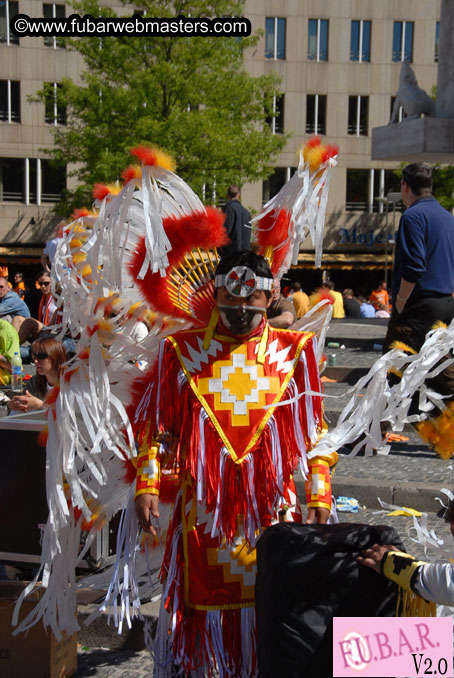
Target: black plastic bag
x,y
306,575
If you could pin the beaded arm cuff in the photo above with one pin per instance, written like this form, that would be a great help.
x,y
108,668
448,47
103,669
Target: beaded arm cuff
x,y
318,484
148,478
401,568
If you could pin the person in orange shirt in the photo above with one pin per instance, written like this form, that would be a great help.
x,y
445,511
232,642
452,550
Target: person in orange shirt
x,y
300,300
19,285
380,296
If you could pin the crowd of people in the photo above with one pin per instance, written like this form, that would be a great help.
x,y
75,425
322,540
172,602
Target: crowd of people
x,y
345,304
30,325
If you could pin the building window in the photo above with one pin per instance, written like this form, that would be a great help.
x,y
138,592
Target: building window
x,y
365,187
403,41
437,40
8,9
360,41
53,181
11,180
54,109
358,115
9,101
31,181
316,114
274,183
275,37
276,120
317,48
52,10
401,113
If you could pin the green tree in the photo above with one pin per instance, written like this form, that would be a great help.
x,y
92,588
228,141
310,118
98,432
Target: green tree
x,y
443,186
189,95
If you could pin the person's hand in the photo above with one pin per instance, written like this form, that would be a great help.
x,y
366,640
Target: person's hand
x,y
317,514
372,557
25,403
147,506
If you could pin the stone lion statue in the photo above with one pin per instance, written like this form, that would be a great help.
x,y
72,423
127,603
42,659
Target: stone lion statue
x,y
414,100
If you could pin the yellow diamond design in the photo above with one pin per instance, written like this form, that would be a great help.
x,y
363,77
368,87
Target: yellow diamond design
x,y
239,385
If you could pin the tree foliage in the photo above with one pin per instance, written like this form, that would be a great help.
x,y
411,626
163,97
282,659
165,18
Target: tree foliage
x,y
443,186
189,95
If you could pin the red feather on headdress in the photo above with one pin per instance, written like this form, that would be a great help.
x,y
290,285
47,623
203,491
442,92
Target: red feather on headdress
x,y
199,229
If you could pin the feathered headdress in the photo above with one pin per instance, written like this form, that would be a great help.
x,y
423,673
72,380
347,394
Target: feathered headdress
x,y
298,210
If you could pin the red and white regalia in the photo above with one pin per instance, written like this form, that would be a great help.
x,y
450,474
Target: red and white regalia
x,y
232,421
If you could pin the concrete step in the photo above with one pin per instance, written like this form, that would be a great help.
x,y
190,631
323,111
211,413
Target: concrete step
x,y
368,490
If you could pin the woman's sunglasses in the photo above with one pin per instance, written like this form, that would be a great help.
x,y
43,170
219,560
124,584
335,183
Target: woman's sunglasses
x,y
39,356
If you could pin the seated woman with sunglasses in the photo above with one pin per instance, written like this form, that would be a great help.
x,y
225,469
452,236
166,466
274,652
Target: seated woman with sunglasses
x,y
31,327
48,356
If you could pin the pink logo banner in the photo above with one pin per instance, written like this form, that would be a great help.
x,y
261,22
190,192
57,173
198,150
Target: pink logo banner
x,y
392,646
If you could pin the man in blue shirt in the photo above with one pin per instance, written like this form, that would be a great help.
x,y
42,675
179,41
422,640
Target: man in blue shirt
x,y
423,275
12,307
423,284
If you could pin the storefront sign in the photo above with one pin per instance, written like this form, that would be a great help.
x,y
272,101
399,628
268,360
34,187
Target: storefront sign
x,y
356,236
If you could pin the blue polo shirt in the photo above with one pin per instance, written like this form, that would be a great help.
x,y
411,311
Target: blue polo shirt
x,y
425,250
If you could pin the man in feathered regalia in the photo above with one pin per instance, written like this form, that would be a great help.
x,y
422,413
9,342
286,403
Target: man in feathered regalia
x,y
214,430
231,410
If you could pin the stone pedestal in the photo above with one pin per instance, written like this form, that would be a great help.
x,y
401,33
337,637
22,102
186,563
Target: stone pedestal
x,y
421,140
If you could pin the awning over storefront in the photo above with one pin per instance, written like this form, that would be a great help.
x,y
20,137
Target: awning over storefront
x,y
21,254
346,261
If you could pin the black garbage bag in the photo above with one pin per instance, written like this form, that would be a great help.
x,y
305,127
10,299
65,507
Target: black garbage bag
x,y
306,575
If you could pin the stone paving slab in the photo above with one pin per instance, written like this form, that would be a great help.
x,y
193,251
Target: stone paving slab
x,y
106,663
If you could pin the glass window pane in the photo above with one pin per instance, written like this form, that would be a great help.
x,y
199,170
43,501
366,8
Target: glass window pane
x,y
352,108
4,100
274,183
366,41
32,179
312,39
60,11
323,56
3,25
354,41
408,52
279,119
13,9
357,190
61,107
269,37
397,41
15,101
363,116
48,13
280,39
392,182
53,181
49,98
321,122
310,113
12,179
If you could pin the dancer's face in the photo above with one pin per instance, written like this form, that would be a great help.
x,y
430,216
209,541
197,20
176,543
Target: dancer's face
x,y
241,315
